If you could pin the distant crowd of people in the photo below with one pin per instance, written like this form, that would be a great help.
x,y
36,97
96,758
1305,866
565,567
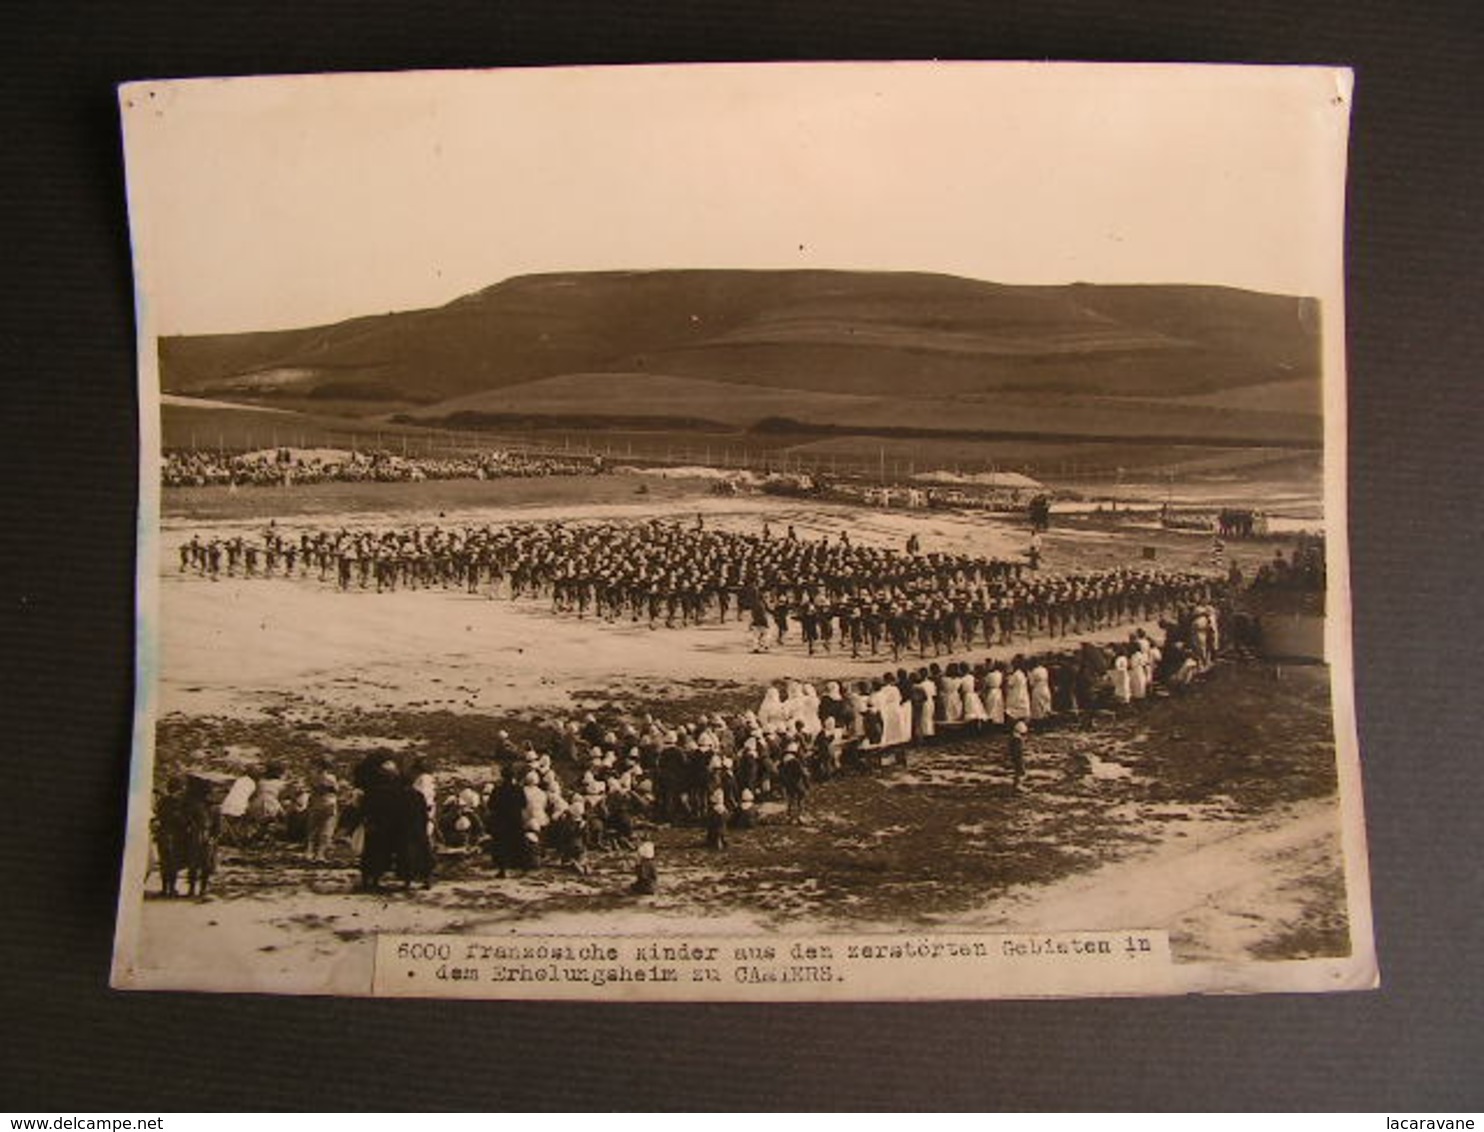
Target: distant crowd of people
x,y
284,467
1303,570
914,497
825,594
585,787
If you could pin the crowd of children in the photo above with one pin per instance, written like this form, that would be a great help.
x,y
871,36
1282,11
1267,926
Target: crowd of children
x,y
827,595
594,787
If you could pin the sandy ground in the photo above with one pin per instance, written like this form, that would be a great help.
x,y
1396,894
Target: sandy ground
x,y
234,644
1253,878
1226,889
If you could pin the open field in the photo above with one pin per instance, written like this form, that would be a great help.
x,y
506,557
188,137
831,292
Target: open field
x,y
429,497
1225,833
450,650
203,423
1272,478
580,400
820,370
1222,826
1071,460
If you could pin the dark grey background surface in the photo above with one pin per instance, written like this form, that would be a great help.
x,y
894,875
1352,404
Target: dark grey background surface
x,y
66,340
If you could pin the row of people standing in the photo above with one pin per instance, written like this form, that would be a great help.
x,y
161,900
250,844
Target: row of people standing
x,y
828,594
285,467
602,781
904,706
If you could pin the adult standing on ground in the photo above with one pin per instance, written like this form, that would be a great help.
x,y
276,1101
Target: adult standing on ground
x,y
771,713
950,702
1040,690
1017,692
994,697
1122,684
924,697
507,822
889,704
1138,674
383,822
420,798
975,714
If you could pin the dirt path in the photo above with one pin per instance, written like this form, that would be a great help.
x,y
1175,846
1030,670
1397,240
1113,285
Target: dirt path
x,y
1225,891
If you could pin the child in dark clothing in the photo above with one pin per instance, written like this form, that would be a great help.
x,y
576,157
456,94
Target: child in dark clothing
x,y
569,837
619,823
746,815
875,726
795,780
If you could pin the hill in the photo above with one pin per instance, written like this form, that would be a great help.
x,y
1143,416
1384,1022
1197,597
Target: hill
x,y
644,401
840,344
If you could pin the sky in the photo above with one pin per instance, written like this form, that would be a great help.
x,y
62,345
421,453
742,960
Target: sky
x,y
264,203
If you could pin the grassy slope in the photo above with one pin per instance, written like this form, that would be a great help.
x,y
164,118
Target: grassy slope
x,y
573,399
853,332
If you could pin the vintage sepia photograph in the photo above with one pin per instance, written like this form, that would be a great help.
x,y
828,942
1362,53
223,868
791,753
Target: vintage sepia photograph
x,y
854,531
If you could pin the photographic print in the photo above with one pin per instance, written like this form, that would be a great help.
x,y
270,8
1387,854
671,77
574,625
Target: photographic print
x,y
852,531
